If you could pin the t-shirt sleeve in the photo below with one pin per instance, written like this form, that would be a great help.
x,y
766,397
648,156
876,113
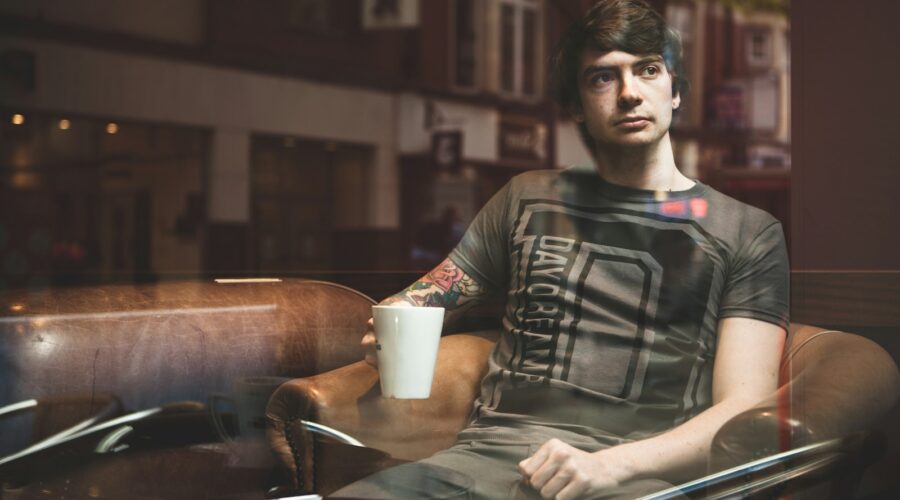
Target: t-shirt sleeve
x,y
483,251
758,285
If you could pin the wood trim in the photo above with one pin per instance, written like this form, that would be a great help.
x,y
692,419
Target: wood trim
x,y
846,298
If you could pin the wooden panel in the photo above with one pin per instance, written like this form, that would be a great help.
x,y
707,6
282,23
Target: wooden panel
x,y
845,169
846,298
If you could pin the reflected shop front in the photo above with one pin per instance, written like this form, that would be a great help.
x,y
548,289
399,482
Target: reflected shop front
x,y
201,201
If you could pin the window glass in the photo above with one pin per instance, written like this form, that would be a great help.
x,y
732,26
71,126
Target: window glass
x,y
507,48
519,32
466,33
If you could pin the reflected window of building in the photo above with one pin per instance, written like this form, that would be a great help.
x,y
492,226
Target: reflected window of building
x,y
308,15
83,201
303,192
682,16
322,17
518,49
467,52
759,47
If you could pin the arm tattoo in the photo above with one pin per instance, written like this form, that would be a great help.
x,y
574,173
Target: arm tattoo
x,y
444,286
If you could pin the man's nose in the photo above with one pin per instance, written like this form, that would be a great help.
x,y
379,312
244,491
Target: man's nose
x,y
629,97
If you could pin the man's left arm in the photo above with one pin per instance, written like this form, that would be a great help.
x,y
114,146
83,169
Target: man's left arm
x,y
745,372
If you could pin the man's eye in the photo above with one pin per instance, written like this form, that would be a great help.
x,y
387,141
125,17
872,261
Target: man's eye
x,y
601,78
650,71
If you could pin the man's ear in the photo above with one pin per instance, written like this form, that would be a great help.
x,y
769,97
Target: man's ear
x,y
676,100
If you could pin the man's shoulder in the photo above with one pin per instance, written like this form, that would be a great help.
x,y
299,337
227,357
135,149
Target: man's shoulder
x,y
736,206
736,216
548,178
537,175
533,183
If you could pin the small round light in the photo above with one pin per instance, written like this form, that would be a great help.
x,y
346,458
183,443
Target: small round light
x,y
64,124
112,128
18,119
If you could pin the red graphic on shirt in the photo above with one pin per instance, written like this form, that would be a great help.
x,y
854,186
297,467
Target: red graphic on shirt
x,y
699,207
673,208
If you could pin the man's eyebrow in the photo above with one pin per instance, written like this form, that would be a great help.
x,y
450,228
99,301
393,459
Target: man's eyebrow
x,y
594,68
648,60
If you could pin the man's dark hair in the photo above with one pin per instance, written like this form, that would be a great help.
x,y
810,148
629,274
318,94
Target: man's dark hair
x,y
627,25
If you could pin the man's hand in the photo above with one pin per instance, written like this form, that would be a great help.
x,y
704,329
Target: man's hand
x,y
445,286
368,343
558,470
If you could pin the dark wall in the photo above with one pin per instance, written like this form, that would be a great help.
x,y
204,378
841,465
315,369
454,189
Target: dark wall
x,y
846,128
845,177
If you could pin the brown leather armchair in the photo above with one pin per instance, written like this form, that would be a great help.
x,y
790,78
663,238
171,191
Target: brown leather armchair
x,y
834,385
147,358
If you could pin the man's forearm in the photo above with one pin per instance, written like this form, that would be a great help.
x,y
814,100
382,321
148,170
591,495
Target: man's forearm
x,y
681,453
444,286
675,456
748,357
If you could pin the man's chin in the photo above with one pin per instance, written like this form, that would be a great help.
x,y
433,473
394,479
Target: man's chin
x,y
635,140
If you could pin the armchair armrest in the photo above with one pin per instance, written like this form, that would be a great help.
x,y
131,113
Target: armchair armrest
x,y
769,476
349,399
834,386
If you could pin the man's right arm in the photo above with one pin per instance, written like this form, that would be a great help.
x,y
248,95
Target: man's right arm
x,y
445,286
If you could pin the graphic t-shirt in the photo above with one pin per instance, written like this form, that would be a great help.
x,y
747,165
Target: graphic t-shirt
x,y
613,297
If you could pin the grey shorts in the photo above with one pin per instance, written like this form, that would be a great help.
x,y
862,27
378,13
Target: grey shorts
x,y
483,464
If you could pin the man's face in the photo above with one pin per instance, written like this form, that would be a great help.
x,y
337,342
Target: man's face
x,y
626,99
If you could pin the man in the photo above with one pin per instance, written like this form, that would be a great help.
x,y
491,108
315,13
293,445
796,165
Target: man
x,y
624,282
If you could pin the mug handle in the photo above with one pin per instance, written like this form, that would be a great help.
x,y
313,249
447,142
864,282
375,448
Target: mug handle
x,y
216,417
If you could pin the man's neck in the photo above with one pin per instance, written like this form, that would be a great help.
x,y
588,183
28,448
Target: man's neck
x,y
650,167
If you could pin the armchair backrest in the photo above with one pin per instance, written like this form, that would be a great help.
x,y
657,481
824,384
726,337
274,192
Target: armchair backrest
x,y
157,343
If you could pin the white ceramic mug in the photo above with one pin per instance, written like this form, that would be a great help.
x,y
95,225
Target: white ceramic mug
x,y
407,341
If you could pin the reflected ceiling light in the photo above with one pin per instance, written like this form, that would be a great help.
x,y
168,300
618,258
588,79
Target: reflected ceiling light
x,y
64,124
231,281
18,119
112,128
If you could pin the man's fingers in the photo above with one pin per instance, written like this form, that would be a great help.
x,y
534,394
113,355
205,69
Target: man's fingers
x,y
368,343
543,477
548,468
555,484
572,491
532,463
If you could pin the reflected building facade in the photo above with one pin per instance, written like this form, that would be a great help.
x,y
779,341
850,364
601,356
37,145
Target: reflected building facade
x,y
282,137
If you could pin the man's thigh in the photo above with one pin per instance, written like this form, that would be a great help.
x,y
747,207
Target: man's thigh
x,y
468,470
485,468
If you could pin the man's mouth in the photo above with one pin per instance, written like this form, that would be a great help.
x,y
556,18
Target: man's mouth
x,y
633,123
633,120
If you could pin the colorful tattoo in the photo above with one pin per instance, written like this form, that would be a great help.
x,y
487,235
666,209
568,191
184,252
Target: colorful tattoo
x,y
446,275
444,286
